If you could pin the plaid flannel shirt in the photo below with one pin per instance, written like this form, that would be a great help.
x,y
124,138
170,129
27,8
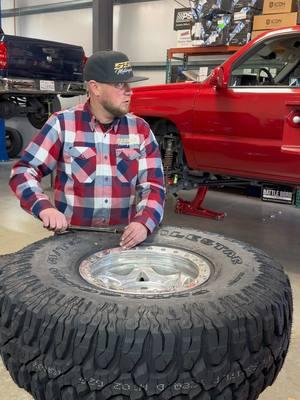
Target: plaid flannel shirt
x,y
102,178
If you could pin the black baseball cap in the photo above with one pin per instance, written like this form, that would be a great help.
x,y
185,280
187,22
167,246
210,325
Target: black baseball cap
x,y
109,66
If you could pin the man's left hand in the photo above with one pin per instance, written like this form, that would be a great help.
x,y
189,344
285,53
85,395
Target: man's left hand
x,y
134,234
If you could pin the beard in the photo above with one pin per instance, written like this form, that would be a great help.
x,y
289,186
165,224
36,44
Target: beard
x,y
115,111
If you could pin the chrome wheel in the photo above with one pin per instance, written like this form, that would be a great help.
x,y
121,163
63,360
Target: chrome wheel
x,y
145,270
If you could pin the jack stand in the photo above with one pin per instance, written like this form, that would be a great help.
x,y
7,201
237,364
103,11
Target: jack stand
x,y
194,207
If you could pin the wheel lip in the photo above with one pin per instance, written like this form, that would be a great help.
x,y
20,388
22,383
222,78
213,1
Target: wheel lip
x,y
196,270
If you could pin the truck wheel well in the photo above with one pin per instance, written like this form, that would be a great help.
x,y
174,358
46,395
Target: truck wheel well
x,y
161,126
44,107
171,149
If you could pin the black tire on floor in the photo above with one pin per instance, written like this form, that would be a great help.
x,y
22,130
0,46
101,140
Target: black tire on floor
x,y
62,338
14,142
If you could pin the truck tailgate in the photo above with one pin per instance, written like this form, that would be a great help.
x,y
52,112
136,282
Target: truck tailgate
x,y
44,59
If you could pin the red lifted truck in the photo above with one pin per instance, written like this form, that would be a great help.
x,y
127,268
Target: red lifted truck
x,y
241,123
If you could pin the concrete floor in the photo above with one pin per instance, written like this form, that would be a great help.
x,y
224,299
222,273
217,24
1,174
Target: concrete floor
x,y
274,228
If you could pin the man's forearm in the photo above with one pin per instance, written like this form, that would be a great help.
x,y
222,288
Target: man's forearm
x,y
151,206
24,182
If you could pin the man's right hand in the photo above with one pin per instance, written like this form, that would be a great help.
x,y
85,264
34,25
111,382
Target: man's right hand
x,y
53,220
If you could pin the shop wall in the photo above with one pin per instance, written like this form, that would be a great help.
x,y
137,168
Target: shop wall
x,y
142,30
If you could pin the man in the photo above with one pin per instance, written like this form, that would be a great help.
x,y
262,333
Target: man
x,y
107,161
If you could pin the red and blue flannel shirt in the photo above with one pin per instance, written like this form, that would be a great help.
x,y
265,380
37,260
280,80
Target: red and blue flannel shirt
x,y
102,178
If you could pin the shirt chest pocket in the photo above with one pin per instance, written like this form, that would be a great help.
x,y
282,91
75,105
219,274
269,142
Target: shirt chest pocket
x,y
127,164
83,162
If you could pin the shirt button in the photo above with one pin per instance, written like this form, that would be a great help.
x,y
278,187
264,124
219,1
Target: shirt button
x,y
105,201
105,157
106,178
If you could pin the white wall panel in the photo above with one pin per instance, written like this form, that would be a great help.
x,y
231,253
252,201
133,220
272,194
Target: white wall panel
x,y
143,31
74,27
6,4
7,25
155,77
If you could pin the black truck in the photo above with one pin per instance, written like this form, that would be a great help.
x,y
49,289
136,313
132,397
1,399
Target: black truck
x,y
33,72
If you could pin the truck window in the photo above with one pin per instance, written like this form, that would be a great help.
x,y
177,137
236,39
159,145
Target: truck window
x,y
274,63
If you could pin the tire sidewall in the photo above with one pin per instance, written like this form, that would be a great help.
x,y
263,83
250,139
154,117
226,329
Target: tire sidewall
x,y
233,266
16,140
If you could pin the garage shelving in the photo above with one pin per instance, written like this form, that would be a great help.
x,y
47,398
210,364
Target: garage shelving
x,y
186,52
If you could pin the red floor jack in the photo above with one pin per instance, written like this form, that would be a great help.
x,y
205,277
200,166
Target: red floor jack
x,y
194,207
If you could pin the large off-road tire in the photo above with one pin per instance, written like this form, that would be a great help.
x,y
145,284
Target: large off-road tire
x,y
14,142
62,337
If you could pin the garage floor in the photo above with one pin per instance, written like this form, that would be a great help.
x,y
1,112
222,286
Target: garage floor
x,y
274,228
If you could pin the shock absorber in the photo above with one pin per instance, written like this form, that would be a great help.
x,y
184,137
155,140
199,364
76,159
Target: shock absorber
x,y
168,159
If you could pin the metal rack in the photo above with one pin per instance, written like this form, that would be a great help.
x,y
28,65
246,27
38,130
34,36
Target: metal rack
x,y
186,52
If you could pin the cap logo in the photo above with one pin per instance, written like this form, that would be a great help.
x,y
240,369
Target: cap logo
x,y
123,68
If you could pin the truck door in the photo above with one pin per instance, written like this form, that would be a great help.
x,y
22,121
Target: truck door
x,y
255,121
